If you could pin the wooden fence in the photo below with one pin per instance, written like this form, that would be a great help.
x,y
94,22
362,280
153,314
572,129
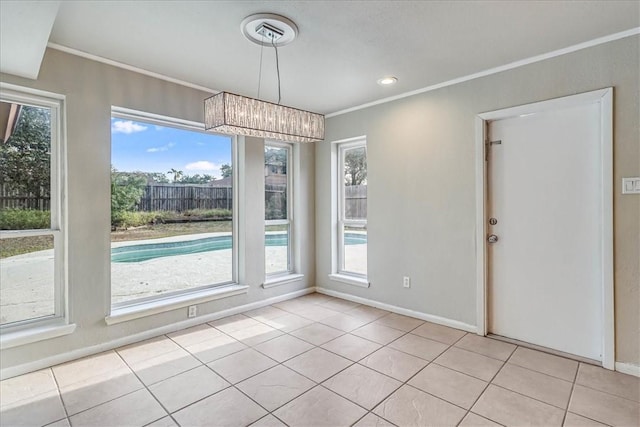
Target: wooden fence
x,y
355,201
275,201
180,197
12,199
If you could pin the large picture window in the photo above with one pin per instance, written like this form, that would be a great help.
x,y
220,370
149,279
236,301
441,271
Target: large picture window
x,y
352,208
31,214
172,205
278,208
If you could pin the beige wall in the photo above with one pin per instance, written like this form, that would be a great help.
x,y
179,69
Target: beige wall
x,y
91,88
421,162
421,184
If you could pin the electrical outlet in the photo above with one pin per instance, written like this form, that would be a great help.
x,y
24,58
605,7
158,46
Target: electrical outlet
x,y
193,311
406,281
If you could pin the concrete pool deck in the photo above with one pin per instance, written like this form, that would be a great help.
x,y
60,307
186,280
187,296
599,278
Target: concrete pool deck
x,y
27,292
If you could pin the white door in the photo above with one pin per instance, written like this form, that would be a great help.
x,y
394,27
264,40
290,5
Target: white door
x,y
545,276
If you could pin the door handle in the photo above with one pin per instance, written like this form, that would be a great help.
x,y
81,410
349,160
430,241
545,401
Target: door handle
x,y
492,238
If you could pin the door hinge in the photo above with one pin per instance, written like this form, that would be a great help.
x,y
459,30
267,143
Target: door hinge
x,y
487,146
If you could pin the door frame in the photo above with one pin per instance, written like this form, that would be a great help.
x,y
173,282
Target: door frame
x,y
605,98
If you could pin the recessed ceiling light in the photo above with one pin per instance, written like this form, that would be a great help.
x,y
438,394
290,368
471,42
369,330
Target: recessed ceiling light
x,y
386,81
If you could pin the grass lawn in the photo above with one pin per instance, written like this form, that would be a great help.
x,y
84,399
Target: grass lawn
x,y
157,231
24,245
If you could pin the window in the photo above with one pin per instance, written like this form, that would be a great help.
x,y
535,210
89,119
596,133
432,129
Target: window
x,y
352,208
31,214
172,204
278,207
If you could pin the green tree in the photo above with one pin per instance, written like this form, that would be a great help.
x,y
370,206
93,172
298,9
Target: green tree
x,y
158,177
355,167
226,170
25,157
197,179
148,177
275,156
126,191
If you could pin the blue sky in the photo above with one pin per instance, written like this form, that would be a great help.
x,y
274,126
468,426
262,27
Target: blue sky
x,y
139,146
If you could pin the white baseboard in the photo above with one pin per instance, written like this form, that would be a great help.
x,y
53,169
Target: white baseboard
x,y
628,368
119,342
399,310
625,368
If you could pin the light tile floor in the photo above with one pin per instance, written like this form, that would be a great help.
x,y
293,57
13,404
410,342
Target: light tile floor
x,y
321,361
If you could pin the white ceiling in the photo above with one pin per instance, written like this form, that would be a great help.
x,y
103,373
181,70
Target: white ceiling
x,y
24,32
343,47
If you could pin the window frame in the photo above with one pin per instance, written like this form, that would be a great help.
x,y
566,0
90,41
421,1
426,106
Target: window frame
x,y
209,291
290,216
44,326
342,221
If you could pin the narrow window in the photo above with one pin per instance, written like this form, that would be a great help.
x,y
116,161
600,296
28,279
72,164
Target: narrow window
x,y
352,208
278,208
31,214
171,208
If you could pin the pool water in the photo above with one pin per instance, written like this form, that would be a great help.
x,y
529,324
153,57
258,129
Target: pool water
x,y
138,253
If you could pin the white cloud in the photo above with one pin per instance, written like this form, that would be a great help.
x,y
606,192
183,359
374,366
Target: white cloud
x,y
158,128
158,149
202,165
126,126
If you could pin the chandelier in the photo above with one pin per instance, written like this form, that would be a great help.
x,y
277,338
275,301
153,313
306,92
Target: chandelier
x,y
234,114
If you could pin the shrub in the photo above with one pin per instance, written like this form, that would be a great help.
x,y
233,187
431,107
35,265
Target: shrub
x,y
128,219
208,213
126,191
24,219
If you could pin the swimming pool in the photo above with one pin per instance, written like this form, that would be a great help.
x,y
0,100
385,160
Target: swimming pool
x,y
144,252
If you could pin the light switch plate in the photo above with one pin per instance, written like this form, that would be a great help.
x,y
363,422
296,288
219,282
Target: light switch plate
x,y
631,185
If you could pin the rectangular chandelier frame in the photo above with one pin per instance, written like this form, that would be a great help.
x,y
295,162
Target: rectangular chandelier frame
x,y
233,114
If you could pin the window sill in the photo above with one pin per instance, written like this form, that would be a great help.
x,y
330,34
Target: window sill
x,y
35,334
281,280
350,280
124,314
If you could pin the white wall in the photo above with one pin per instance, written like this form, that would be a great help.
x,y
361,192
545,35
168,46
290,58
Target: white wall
x,y
421,184
91,89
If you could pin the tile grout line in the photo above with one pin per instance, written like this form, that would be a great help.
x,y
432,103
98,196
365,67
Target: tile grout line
x,y
317,384
103,403
232,385
106,401
542,373
573,385
528,397
504,363
575,379
637,402
168,413
314,346
375,415
406,383
519,393
483,354
490,382
551,376
343,333
55,380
